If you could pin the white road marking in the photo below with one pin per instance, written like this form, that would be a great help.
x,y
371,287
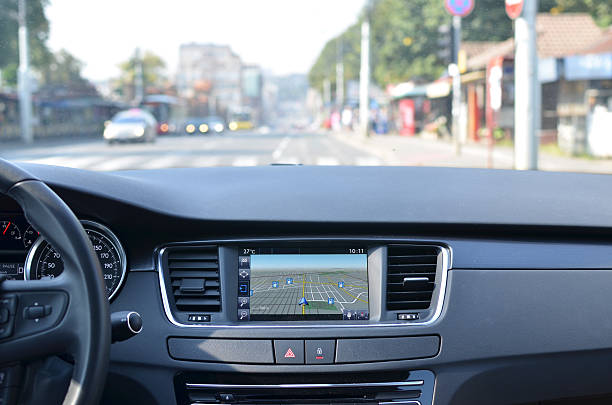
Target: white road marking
x,y
327,161
121,162
162,162
81,162
367,161
245,161
280,148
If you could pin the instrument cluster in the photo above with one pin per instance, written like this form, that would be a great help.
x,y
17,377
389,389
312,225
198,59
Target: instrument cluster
x,y
25,254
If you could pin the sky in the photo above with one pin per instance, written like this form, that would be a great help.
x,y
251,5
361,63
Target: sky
x,y
309,262
283,36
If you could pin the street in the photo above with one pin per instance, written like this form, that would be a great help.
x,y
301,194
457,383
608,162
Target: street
x,y
256,148
252,148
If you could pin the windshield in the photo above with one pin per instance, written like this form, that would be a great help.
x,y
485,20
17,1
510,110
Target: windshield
x,y
459,83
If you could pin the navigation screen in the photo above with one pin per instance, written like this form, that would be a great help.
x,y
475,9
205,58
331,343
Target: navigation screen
x,y
303,284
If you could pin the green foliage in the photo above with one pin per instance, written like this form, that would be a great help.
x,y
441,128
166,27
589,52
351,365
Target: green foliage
x,y
38,33
63,69
391,22
395,60
601,10
153,68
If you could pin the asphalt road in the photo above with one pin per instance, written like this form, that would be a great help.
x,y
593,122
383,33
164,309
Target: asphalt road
x,y
253,148
256,148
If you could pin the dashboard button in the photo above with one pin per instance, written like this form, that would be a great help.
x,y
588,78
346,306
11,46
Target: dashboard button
x,y
244,314
289,351
243,289
34,312
244,302
320,351
412,316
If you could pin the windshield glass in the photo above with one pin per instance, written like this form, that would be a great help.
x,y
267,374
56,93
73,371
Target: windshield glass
x,y
460,83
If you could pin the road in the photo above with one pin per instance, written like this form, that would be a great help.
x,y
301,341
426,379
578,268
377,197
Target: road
x,y
255,148
229,149
325,292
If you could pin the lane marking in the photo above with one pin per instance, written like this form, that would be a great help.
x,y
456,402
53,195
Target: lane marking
x,y
162,162
367,161
245,161
327,161
122,162
280,148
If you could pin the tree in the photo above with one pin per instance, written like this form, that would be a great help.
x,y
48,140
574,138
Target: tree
x,y
600,10
38,33
325,65
404,36
153,68
404,40
64,69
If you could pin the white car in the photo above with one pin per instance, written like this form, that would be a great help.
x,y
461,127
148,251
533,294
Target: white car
x,y
134,125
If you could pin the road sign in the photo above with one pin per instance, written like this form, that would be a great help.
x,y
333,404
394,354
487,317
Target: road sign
x,y
459,8
514,8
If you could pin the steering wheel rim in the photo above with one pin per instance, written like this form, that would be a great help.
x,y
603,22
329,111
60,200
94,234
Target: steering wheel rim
x,y
83,328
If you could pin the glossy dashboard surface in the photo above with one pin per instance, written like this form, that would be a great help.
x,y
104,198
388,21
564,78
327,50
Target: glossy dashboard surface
x,y
528,281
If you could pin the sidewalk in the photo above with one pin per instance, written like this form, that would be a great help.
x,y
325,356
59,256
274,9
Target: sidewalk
x,y
417,151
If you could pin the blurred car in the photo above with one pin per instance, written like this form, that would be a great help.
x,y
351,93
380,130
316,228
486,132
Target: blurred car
x,y
134,125
215,124
194,126
206,125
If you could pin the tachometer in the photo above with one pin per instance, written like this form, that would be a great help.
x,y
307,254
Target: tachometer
x,y
44,261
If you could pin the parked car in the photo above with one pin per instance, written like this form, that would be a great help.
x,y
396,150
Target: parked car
x,y
134,125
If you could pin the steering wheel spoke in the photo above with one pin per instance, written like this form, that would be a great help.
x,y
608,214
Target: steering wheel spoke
x,y
36,320
67,314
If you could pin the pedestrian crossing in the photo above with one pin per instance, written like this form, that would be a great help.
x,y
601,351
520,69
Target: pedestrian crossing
x,y
161,161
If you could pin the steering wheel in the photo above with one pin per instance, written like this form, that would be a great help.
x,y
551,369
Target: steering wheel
x,y
68,314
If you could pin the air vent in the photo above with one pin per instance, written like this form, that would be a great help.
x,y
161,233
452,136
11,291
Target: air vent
x,y
411,276
194,278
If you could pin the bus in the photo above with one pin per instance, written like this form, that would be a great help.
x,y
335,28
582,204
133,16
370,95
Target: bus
x,y
170,112
242,119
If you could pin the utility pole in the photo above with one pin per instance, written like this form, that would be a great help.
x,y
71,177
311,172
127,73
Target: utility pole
x,y
456,76
526,108
23,78
364,75
138,79
326,92
339,74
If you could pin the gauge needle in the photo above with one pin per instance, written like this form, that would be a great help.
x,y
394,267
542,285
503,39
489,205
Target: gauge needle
x,y
7,227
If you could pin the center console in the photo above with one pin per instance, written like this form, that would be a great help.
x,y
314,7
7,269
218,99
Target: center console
x,y
303,316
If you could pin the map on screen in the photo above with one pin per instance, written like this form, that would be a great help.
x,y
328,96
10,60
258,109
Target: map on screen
x,y
317,286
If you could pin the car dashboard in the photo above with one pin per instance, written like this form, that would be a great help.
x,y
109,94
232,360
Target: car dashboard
x,y
322,285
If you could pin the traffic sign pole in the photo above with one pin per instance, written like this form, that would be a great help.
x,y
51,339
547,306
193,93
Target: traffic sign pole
x,y
456,75
526,108
458,9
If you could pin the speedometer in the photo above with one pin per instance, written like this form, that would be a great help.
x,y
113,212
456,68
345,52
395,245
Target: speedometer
x,y
44,261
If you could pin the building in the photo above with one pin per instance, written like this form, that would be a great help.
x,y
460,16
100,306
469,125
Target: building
x,y
574,73
209,76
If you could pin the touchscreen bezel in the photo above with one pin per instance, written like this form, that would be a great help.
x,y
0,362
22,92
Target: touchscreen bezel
x,y
354,313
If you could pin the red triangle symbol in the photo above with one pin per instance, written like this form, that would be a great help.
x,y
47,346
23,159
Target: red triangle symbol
x,y
289,354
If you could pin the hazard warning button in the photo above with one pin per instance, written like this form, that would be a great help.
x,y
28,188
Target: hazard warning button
x,y
289,351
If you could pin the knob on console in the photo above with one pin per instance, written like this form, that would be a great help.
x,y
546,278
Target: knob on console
x,y
124,325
